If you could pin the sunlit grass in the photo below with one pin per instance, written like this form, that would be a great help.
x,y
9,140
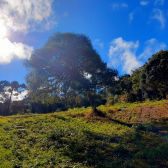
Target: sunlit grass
x,y
68,139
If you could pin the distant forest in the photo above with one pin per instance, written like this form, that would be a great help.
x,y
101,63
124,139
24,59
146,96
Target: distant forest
x,y
67,72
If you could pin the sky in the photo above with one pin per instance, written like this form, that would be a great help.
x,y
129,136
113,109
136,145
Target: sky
x,y
126,33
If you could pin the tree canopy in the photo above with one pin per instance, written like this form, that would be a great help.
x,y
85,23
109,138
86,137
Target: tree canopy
x,y
67,62
155,73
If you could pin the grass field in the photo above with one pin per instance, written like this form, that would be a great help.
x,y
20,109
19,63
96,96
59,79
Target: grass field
x,y
127,136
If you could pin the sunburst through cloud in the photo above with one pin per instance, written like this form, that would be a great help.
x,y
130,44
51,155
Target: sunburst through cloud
x,y
22,16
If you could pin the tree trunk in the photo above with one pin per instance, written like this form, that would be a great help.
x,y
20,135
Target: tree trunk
x,y
164,94
142,94
92,103
94,110
8,109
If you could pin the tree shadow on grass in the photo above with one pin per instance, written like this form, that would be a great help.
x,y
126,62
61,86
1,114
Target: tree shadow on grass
x,y
102,116
96,150
99,150
127,149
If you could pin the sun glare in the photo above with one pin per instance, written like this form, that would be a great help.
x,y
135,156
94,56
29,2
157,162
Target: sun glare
x,y
2,31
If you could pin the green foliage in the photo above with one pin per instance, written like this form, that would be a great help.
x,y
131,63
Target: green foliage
x,y
68,63
66,139
150,80
124,84
137,87
155,72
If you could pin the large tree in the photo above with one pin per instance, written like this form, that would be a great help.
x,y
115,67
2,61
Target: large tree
x,y
68,62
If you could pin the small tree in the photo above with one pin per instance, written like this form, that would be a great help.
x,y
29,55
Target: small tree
x,y
68,62
7,90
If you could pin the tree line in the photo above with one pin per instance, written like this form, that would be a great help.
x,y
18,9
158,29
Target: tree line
x,y
67,72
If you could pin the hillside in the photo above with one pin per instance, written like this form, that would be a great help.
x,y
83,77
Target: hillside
x,y
127,135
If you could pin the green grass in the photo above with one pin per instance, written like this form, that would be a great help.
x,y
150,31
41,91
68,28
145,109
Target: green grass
x,y
67,139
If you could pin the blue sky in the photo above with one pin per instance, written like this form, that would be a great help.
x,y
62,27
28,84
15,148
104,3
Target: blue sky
x,y
124,33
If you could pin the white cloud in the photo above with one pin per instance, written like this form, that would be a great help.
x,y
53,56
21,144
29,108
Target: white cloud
x,y
144,3
25,15
158,15
131,16
152,47
118,5
122,53
22,95
99,43
9,51
18,97
159,2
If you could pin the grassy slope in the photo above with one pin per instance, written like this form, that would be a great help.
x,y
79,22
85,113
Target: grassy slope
x,y
77,138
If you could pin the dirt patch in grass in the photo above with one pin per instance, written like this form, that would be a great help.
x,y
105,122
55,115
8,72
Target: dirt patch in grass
x,y
141,114
94,116
154,112
112,111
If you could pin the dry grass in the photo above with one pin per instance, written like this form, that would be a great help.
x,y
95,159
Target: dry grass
x,y
111,111
94,116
